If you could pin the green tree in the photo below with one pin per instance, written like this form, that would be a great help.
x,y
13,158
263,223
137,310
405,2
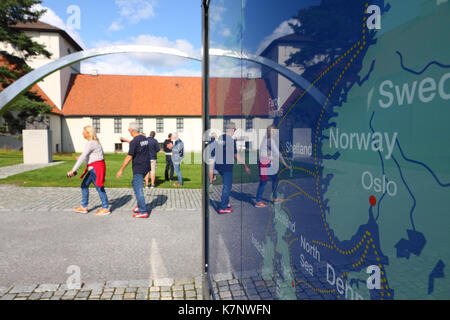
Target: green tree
x,y
14,64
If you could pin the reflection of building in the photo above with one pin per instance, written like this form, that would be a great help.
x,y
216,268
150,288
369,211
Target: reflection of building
x,y
280,51
285,94
246,102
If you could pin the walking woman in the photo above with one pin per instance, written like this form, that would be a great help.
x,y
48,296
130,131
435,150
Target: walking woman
x,y
93,173
268,154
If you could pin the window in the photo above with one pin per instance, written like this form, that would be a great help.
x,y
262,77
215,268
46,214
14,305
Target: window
x,y
117,147
180,124
159,125
248,124
225,122
117,125
96,124
140,122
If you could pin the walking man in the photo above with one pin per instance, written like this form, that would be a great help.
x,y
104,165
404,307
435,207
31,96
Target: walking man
x,y
225,154
153,147
177,156
140,156
168,151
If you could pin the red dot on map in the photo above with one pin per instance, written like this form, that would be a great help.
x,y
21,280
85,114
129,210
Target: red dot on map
x,y
373,200
293,285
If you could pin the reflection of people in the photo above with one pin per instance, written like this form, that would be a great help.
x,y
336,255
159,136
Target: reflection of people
x,y
268,153
169,164
212,157
226,152
140,156
94,172
153,147
177,156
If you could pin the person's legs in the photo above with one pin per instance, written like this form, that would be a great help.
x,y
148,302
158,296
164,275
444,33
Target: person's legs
x,y
146,178
274,186
260,191
166,170
85,189
178,173
153,172
171,168
101,190
139,192
227,178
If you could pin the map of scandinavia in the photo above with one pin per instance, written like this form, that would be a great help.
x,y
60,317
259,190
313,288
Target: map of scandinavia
x,y
378,193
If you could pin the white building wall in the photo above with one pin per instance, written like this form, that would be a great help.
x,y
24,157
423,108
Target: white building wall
x,y
285,86
55,126
192,134
72,136
65,74
54,85
73,140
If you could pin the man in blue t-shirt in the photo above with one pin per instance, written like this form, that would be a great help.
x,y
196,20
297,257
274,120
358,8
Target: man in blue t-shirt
x,y
226,152
153,148
140,156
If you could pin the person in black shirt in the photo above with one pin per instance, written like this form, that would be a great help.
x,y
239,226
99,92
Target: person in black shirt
x,y
168,144
140,156
153,147
225,153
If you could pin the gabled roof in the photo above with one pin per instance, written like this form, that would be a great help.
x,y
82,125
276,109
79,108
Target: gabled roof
x,y
45,27
118,95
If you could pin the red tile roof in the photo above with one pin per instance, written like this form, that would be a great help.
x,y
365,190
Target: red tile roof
x,y
117,95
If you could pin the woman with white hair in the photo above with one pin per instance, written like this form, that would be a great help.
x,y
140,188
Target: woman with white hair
x,y
94,172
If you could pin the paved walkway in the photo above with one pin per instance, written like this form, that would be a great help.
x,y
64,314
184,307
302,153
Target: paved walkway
x,y
40,237
160,289
65,199
5,172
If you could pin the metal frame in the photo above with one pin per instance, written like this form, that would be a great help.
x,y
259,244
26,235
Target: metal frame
x,y
206,281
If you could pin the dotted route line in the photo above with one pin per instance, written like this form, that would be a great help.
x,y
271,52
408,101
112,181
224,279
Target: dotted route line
x,y
349,63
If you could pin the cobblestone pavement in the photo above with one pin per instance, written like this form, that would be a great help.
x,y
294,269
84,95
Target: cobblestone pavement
x,y
65,199
158,289
19,168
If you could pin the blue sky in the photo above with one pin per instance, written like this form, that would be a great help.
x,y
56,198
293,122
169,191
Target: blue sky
x,y
168,23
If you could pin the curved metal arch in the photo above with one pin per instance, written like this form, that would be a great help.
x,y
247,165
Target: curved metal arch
x,y
27,81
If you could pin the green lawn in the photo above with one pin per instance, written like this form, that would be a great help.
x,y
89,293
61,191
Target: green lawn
x,y
10,157
55,176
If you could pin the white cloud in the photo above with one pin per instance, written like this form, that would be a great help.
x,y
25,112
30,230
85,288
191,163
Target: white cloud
x,y
225,32
115,26
50,17
145,64
115,64
136,10
232,68
216,14
282,30
157,60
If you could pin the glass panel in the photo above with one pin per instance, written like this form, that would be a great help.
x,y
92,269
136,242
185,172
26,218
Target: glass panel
x,y
355,205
